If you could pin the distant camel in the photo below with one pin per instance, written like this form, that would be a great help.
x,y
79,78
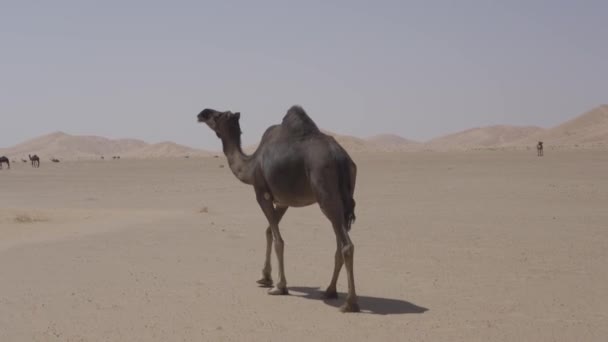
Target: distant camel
x,y
102,158
55,160
3,160
295,165
539,149
24,160
116,157
35,160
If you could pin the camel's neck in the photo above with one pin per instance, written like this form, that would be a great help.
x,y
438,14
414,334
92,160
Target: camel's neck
x,y
242,165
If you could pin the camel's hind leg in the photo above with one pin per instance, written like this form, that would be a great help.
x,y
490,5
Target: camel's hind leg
x,y
267,270
331,292
331,205
348,254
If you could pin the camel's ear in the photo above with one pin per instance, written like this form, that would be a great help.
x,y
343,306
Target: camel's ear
x,y
237,115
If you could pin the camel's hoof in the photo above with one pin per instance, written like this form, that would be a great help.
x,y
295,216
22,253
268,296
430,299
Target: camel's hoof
x,y
278,291
350,307
330,294
265,282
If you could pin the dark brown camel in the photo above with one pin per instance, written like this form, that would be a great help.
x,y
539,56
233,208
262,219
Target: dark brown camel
x,y
295,165
539,149
3,160
35,160
55,160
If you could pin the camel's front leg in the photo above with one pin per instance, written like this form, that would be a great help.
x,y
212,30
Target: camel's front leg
x,y
279,245
266,280
274,215
266,271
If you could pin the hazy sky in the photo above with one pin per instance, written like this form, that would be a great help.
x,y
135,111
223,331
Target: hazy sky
x,y
144,69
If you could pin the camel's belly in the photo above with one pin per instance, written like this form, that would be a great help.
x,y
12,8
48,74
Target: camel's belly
x,y
288,183
299,195
300,202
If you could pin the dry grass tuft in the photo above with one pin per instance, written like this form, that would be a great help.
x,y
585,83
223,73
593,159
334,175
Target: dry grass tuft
x,y
27,218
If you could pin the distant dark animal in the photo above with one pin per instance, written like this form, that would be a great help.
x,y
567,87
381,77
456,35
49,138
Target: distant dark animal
x,y
55,160
116,157
102,158
24,160
3,160
35,160
539,149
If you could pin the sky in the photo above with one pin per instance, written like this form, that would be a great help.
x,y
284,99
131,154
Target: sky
x,y
420,69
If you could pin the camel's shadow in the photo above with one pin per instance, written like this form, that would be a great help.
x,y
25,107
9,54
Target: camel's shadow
x,y
373,305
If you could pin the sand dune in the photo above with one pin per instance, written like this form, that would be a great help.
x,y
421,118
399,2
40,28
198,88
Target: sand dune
x,y
166,149
587,130
350,143
482,137
390,139
392,142
70,147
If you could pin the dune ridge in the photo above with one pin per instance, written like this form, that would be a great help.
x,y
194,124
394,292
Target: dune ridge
x,y
73,147
588,130
482,137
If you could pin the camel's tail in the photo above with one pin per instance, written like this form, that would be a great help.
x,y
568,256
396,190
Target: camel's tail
x,y
347,177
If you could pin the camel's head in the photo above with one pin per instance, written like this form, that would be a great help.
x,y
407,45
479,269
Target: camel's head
x,y
225,124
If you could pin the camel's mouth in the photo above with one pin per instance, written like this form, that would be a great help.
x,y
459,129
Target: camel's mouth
x,y
201,119
205,115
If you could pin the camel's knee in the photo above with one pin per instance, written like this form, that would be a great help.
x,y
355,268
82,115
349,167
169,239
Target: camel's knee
x,y
348,252
269,233
338,255
278,244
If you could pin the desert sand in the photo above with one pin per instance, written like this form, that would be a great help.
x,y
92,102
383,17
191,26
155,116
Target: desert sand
x,y
458,246
89,147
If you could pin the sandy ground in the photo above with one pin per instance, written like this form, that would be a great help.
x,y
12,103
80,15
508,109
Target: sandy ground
x,y
477,246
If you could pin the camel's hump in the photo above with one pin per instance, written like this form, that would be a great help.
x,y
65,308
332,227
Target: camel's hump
x,y
298,122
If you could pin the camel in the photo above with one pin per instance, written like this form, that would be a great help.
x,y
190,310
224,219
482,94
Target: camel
x,y
3,160
35,160
295,165
539,149
55,160
24,160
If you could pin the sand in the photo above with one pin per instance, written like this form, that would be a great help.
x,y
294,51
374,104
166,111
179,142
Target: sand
x,y
588,130
585,131
82,147
482,137
469,246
